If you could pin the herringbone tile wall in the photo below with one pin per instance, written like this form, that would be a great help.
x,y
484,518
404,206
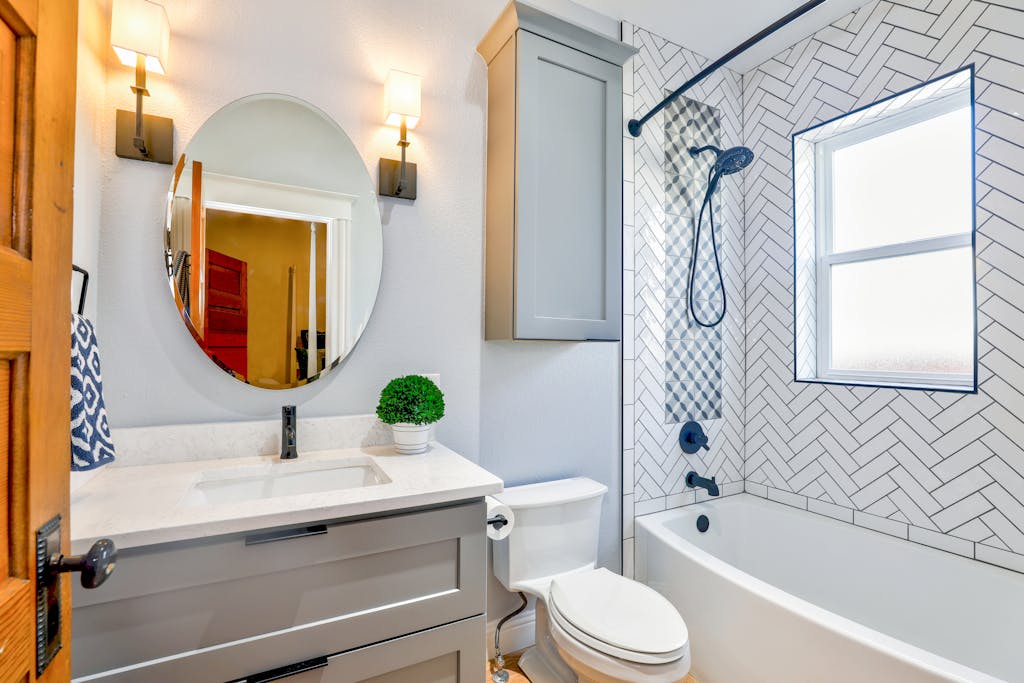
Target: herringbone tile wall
x,y
942,469
653,466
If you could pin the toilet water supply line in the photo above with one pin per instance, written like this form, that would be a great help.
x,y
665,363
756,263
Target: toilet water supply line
x,y
501,676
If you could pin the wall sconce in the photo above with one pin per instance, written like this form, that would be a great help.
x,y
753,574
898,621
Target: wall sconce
x,y
140,34
402,109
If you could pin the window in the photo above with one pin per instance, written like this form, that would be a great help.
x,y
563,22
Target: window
x,y
884,242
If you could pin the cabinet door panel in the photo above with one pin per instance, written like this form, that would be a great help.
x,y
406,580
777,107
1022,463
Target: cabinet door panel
x,y
366,581
569,180
454,653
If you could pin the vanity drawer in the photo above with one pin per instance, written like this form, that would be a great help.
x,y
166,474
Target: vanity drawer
x,y
371,580
454,653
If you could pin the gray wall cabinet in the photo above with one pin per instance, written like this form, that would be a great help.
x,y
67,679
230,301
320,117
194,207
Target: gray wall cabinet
x,y
554,179
397,598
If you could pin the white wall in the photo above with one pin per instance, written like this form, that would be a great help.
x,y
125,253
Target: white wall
x,y
526,411
93,46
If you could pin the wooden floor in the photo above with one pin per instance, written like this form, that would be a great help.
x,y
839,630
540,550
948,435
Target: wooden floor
x,y
516,676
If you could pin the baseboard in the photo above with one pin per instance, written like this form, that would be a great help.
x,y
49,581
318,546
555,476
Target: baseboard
x,y
517,633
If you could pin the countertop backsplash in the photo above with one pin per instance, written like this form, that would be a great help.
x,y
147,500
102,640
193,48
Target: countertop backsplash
x,y
215,440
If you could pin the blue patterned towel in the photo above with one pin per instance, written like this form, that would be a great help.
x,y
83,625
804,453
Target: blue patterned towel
x,y
91,445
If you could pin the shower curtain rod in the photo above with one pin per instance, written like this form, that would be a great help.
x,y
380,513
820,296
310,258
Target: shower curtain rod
x,y
635,126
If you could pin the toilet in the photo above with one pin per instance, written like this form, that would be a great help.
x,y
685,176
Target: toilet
x,y
592,625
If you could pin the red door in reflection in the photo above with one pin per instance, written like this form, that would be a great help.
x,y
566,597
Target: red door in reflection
x,y
227,311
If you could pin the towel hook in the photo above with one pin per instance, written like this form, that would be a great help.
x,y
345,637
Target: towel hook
x,y
85,287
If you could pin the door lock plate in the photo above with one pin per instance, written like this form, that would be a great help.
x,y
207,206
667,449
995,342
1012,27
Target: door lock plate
x,y
48,619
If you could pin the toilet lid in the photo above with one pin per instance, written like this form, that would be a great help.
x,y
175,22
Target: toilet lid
x,y
624,614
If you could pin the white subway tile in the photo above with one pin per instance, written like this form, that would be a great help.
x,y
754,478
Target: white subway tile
x,y
755,489
882,524
997,556
787,497
950,544
627,558
648,507
627,515
832,510
627,471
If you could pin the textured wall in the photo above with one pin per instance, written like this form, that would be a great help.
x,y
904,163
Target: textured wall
x,y
657,244
942,469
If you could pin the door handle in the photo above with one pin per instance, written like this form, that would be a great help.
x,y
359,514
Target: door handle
x,y
95,565
286,671
285,534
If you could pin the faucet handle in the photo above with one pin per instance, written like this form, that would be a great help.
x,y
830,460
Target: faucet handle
x,y
692,438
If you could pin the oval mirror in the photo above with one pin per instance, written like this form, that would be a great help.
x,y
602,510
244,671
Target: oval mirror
x,y
273,241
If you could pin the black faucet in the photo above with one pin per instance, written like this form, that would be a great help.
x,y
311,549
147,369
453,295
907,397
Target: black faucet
x,y
694,480
289,449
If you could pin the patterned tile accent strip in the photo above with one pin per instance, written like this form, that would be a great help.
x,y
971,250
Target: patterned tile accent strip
x,y
693,354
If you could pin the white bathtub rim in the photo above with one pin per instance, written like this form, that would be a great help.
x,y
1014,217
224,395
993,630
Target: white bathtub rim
x,y
654,524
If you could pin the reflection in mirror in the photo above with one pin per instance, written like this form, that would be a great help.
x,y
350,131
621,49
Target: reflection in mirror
x,y
273,241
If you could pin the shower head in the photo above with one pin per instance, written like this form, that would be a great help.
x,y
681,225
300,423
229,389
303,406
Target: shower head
x,y
727,161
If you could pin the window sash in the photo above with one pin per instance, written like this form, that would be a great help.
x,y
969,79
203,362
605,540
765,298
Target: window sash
x,y
826,257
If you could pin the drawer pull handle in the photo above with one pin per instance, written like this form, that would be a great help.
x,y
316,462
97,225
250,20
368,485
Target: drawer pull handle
x,y
285,534
286,671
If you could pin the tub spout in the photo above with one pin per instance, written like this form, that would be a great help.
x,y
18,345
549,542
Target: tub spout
x,y
694,480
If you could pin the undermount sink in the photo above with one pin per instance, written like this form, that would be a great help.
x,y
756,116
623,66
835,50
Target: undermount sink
x,y
274,480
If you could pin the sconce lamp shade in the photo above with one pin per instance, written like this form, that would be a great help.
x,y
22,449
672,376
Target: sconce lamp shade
x,y
402,99
140,27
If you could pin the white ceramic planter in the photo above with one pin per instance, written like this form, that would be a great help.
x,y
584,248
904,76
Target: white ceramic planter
x,y
410,439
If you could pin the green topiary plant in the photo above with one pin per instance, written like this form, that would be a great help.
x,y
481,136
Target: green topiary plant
x,y
412,399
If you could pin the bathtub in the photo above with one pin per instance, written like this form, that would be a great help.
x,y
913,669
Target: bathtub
x,y
775,594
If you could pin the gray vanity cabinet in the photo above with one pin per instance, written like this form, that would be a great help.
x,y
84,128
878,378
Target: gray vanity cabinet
x,y
554,179
394,598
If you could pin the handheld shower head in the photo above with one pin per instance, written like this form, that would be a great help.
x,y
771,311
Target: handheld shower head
x,y
727,161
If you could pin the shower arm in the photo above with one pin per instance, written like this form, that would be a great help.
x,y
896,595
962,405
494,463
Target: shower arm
x,y
635,126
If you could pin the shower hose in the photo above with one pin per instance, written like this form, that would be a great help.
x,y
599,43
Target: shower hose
x,y
706,205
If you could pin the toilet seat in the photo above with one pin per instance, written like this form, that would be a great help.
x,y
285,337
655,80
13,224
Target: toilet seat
x,y
618,616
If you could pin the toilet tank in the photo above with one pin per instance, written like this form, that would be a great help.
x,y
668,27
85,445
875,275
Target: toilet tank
x,y
556,530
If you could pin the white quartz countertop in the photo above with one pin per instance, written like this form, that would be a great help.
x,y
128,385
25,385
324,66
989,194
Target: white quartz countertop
x,y
150,504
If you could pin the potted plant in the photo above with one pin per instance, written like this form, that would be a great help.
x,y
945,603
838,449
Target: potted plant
x,y
410,404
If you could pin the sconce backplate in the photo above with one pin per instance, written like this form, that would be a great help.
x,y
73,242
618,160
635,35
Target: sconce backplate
x,y
388,173
157,131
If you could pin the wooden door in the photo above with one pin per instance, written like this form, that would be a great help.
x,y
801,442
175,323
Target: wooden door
x,y
227,311
37,107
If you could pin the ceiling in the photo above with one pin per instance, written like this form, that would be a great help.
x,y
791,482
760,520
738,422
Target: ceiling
x,y
713,27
